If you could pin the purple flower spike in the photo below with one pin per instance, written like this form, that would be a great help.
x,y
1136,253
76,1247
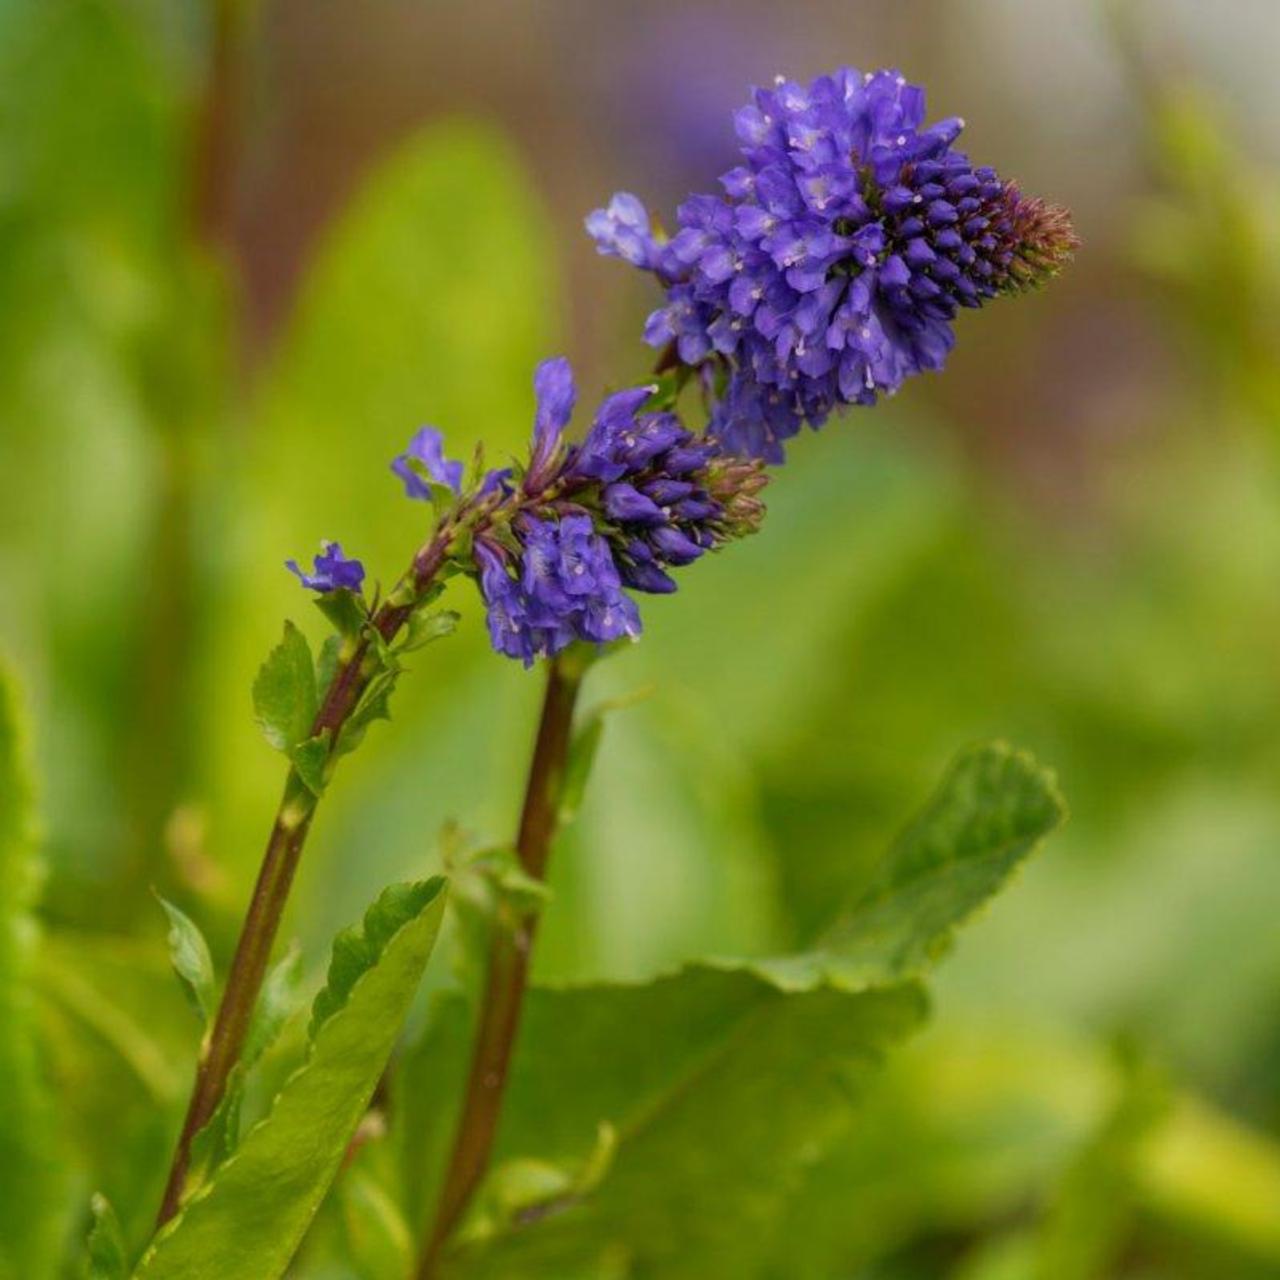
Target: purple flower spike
x,y
555,393
333,570
833,267
427,450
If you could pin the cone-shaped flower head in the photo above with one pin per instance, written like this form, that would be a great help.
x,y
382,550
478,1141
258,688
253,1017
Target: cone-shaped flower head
x,y
832,268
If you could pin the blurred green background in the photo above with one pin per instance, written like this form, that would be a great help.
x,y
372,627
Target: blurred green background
x,y
245,251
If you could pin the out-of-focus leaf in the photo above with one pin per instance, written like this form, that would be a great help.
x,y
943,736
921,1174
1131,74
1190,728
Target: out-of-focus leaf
x,y
1091,1213
189,955
378,1241
284,693
107,1259
247,1221
30,1140
726,1080
992,809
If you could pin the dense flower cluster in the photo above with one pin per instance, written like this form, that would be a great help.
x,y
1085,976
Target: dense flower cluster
x,y
554,545
638,496
834,264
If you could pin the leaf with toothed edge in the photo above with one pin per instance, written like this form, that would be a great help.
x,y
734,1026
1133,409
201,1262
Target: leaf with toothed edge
x,y
284,692
726,1079
246,1222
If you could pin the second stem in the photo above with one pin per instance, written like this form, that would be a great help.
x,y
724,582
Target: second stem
x,y
509,956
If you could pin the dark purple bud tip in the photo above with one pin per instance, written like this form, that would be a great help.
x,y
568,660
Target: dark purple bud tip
x,y
625,503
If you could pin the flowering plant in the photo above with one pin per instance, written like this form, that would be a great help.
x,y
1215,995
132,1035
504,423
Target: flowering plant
x,y
830,270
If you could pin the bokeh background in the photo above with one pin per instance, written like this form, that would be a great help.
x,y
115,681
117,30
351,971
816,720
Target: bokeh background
x,y
246,249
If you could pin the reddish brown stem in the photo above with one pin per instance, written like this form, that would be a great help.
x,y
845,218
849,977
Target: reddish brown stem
x,y
222,1047
508,973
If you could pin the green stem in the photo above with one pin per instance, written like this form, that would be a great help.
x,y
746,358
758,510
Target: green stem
x,y
509,957
222,1047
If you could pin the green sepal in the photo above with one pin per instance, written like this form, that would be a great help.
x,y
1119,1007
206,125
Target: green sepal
x,y
104,1246
191,960
284,691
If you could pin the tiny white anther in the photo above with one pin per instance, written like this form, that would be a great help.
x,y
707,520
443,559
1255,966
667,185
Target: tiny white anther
x,y
902,139
779,79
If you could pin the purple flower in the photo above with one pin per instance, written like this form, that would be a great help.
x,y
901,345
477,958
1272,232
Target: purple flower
x,y
426,454
622,230
562,585
555,394
333,570
832,267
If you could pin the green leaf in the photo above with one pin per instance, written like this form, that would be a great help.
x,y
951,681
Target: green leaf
x,y
377,1239
247,1221
345,609
990,812
277,1002
281,993
105,1245
284,693
189,955
426,625
217,1139
582,753
30,1137
727,1079
311,759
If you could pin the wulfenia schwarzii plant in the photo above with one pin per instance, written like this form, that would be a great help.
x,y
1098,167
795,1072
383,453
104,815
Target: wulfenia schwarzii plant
x,y
829,269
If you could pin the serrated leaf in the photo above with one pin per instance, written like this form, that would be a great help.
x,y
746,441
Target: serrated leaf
x,y
247,1221
311,759
284,692
990,812
189,955
105,1243
30,1138
727,1079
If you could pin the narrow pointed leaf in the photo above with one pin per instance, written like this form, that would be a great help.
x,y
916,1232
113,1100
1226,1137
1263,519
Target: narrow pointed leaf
x,y
247,1221
189,955
105,1244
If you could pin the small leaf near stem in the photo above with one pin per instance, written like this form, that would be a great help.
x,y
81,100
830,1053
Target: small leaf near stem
x,y
284,686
